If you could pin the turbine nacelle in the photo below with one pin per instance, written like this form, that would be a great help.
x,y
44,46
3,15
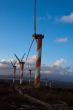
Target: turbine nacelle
x,y
38,36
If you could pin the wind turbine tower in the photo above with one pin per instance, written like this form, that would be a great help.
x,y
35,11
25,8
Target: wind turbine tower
x,y
46,81
38,38
29,74
21,63
14,71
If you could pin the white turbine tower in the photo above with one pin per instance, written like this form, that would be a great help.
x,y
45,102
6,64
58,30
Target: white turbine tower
x,y
46,81
14,70
21,63
29,74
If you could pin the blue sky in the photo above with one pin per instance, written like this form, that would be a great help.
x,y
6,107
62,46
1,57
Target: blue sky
x,y
54,19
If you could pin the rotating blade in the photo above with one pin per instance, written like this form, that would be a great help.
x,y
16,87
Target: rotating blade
x,y
17,57
22,57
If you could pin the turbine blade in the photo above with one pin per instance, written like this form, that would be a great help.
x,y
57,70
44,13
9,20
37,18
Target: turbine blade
x,y
17,57
11,63
15,63
28,65
23,57
29,49
34,16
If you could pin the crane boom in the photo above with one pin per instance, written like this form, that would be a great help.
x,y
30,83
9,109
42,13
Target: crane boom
x,y
12,63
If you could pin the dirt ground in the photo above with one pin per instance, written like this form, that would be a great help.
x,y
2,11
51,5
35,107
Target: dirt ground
x,y
11,100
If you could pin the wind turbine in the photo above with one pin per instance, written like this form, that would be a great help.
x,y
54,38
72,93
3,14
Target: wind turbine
x,y
29,74
21,62
38,38
14,70
46,81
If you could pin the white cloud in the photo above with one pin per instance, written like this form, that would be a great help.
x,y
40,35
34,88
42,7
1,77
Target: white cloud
x,y
61,40
2,65
55,69
31,59
57,72
58,62
67,18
